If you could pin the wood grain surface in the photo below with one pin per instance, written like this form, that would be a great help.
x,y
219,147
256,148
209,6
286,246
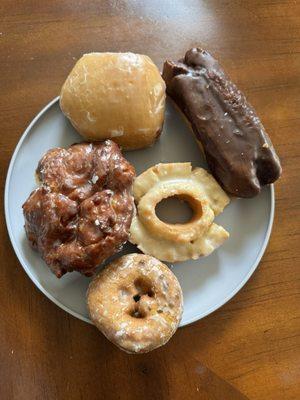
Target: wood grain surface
x,y
250,348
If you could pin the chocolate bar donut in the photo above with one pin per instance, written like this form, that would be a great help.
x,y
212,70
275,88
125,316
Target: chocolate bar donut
x,y
238,150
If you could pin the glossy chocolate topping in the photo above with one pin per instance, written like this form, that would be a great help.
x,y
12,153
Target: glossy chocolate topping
x,y
238,151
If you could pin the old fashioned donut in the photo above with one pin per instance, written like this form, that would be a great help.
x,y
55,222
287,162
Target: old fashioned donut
x,y
136,302
178,242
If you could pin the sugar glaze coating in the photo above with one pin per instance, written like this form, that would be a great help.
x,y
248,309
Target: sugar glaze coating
x,y
136,302
81,213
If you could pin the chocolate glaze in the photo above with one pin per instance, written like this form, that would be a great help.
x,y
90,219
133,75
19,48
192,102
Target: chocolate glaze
x,y
81,213
238,151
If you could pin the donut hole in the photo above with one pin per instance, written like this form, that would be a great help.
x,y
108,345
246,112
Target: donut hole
x,y
143,287
137,313
137,298
178,209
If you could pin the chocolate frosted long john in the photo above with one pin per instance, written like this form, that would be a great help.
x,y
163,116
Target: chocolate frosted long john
x,y
238,151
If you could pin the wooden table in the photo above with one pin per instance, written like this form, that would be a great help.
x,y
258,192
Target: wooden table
x,y
249,348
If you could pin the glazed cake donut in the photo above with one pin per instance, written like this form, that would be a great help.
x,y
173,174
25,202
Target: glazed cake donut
x,y
178,242
136,302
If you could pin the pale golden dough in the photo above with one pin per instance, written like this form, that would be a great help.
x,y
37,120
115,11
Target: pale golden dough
x,y
136,302
178,242
119,96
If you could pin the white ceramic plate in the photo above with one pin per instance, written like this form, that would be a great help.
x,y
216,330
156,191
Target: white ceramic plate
x,y
207,283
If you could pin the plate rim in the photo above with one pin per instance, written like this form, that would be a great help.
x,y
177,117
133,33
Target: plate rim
x,y
74,313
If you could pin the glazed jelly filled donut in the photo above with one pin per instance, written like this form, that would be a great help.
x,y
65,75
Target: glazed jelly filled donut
x,y
136,302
